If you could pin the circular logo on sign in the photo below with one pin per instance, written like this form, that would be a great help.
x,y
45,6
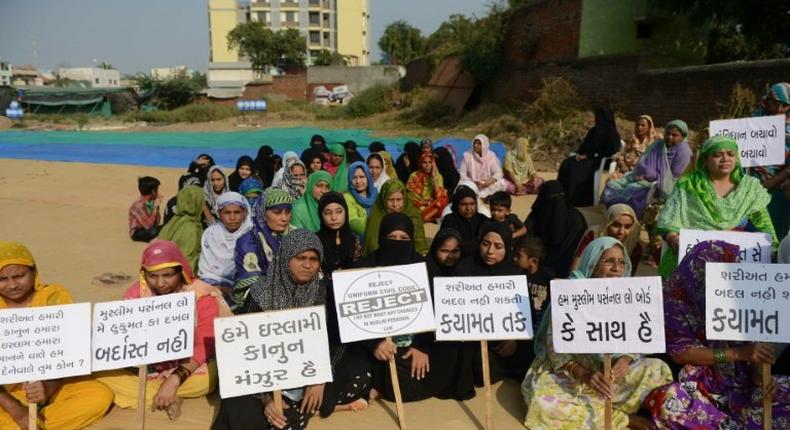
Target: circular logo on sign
x,y
383,302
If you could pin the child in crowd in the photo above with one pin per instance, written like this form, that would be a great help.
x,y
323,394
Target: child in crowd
x,y
500,212
144,212
528,251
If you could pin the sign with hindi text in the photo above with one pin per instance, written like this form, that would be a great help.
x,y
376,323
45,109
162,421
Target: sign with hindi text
x,y
383,301
755,247
748,302
761,139
135,332
42,343
267,351
608,315
482,308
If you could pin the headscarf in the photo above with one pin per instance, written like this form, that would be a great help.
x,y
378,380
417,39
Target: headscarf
x,y
479,167
268,240
780,92
434,268
664,164
344,254
352,156
310,154
250,185
473,265
234,180
199,170
411,150
592,253
278,291
384,176
376,147
264,164
679,125
469,229
339,181
318,141
185,227
289,183
305,209
419,179
218,244
641,145
519,163
277,179
158,255
446,165
612,214
783,255
373,192
17,253
394,252
211,196
602,140
379,211
558,224
189,179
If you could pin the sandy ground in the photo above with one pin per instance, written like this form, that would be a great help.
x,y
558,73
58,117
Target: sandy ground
x,y
73,217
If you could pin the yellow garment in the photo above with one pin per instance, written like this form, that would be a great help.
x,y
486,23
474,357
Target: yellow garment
x,y
124,384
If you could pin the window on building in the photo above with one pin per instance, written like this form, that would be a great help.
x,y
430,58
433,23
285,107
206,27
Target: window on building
x,y
315,37
290,17
644,30
315,18
264,17
96,80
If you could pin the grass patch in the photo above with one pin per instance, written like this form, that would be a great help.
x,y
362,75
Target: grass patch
x,y
190,113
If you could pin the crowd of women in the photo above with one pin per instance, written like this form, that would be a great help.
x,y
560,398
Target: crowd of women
x,y
270,235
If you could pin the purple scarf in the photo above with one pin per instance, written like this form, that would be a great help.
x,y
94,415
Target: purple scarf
x,y
653,165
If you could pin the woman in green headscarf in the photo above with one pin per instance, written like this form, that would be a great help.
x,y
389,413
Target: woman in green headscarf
x,y
305,210
337,166
185,228
392,198
716,195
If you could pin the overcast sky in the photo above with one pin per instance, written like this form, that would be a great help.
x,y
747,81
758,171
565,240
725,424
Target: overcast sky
x,y
136,35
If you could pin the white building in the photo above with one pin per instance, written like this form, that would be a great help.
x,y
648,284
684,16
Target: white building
x,y
169,72
93,76
5,74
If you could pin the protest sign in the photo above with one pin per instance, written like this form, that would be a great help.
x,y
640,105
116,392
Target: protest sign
x,y
747,302
135,332
383,301
268,351
755,247
608,315
482,308
761,139
44,343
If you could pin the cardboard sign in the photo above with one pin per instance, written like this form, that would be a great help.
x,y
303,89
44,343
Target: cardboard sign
x,y
761,139
42,343
608,315
755,247
383,301
129,333
482,308
269,351
749,302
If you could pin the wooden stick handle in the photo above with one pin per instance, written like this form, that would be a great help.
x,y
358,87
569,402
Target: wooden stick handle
x,y
607,373
767,418
32,416
277,396
487,385
396,391
142,381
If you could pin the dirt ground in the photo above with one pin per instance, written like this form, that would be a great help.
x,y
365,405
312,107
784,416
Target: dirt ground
x,y
73,217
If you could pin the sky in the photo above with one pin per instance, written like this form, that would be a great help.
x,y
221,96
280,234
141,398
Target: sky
x,y
136,35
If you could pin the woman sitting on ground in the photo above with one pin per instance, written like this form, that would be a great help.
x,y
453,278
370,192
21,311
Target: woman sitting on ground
x,y
280,165
251,188
719,386
378,169
185,228
313,159
466,219
622,224
293,179
445,163
216,184
481,166
392,199
294,281
337,166
165,271
426,190
408,161
342,248
644,134
245,168
360,196
520,173
67,403
716,195
568,391
305,209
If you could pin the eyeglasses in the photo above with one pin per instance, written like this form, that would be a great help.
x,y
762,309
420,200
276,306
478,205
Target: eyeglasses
x,y
613,261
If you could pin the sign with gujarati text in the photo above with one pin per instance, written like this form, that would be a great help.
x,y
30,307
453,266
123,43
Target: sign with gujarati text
x,y
749,302
383,301
761,139
135,332
267,351
482,308
608,315
755,247
43,343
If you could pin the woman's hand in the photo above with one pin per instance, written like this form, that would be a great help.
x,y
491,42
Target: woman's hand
x,y
673,240
506,348
166,394
758,353
621,367
580,157
19,415
594,380
40,391
275,417
385,350
420,364
313,397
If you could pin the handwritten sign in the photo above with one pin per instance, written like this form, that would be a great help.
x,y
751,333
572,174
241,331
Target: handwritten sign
x,y
130,333
44,343
761,140
482,308
383,301
608,315
270,351
755,247
747,302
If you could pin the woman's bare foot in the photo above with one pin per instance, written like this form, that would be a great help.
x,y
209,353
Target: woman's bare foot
x,y
355,406
174,410
637,422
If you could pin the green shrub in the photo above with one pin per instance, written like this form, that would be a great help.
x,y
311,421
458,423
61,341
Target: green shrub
x,y
370,101
557,99
190,113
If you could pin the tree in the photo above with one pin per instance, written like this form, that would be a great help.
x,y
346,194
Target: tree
x,y
448,39
327,58
106,66
482,50
402,42
265,48
178,90
290,48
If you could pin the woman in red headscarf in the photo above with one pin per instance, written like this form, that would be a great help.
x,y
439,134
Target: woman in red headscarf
x,y
426,190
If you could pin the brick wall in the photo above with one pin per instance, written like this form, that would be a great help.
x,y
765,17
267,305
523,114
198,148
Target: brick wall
x,y
544,31
293,87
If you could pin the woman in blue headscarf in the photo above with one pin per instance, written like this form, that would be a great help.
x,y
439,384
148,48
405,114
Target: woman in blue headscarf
x,y
360,196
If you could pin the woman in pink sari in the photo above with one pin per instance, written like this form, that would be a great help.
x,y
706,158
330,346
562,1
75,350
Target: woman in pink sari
x,y
481,166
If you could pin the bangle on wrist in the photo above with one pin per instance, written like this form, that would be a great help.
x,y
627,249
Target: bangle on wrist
x,y
182,373
720,356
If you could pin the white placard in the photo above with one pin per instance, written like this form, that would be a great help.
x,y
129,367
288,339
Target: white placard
x,y
755,247
267,351
383,301
482,308
761,139
749,302
608,315
44,343
129,333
